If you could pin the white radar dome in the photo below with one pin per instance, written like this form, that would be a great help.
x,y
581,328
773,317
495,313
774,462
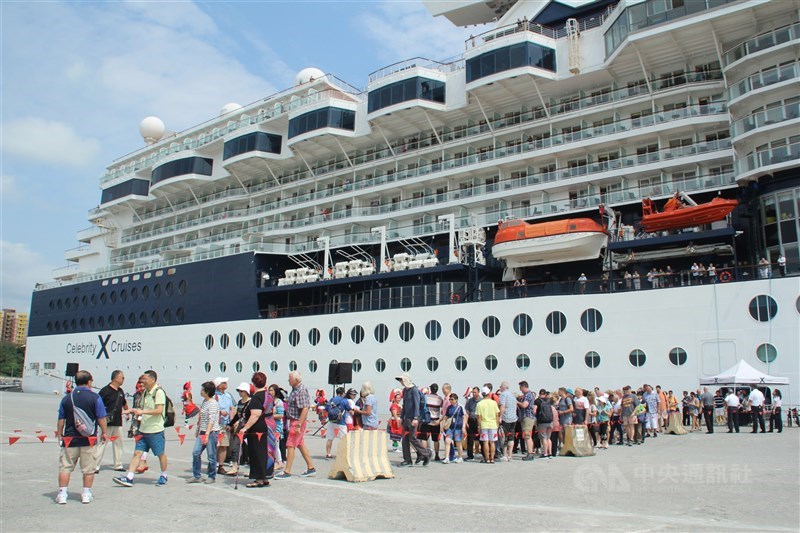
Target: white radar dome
x,y
152,129
229,108
308,74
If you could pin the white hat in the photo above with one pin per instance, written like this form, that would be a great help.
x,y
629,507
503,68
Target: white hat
x,y
244,387
486,391
219,380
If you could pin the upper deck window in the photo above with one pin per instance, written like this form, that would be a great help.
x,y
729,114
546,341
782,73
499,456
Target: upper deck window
x,y
514,56
181,167
252,142
327,117
416,88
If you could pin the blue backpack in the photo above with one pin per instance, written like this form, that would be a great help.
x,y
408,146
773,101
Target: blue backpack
x,y
334,409
424,414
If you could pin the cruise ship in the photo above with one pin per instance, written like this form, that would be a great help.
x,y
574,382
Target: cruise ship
x,y
328,224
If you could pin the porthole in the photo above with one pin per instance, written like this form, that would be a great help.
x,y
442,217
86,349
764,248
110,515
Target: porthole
x,y
356,365
182,287
101,322
112,296
432,364
75,302
154,318
312,366
433,329
92,298
380,365
49,325
523,324
556,322
796,304
381,333
406,331
314,336
556,361
157,290
357,334
168,288
121,320
84,300
275,339
490,362
67,303
591,320
592,359
73,324
58,325
766,353
461,328
224,340
491,326
223,367
256,366
60,304
240,340
523,362
292,366
167,316
64,324
239,367
461,363
258,339
145,292
123,295
273,366
677,356
103,298
132,319
83,324
763,308
53,305
335,335
91,323
405,364
179,315
637,358
143,318
134,294
207,368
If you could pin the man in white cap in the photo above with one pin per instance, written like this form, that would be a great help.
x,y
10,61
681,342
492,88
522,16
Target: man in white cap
x,y
411,423
227,409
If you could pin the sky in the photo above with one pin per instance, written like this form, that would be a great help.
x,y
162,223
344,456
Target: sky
x,y
76,78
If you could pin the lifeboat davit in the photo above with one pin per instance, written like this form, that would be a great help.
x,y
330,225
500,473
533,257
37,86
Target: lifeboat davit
x,y
521,244
677,215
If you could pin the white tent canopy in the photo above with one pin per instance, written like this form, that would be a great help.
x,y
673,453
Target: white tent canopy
x,y
743,374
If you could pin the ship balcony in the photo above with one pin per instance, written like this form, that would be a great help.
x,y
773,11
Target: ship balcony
x,y
87,234
787,37
175,174
66,272
779,156
769,80
330,115
749,129
410,84
74,254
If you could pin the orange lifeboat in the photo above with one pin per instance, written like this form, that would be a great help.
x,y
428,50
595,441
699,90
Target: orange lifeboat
x,y
521,244
677,215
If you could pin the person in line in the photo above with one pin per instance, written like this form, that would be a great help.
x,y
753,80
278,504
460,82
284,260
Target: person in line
x,y
663,409
279,416
543,411
653,414
369,409
603,419
733,404
472,431
591,417
615,400
555,434
508,421
116,405
206,435
775,421
629,403
138,396
237,422
488,421
189,407
525,403
257,431
298,405
395,424
565,409
707,399
411,423
151,429
74,446
454,435
686,406
337,410
227,410
433,429
757,409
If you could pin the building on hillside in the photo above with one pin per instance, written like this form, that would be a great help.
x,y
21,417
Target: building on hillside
x,y
14,326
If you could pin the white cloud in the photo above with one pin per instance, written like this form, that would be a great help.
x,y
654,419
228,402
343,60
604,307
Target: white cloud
x,y
20,269
48,141
403,30
8,187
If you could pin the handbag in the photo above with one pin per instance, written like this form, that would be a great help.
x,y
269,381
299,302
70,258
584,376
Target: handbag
x,y
448,420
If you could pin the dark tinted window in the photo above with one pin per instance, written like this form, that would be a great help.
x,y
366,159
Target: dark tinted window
x,y
253,142
181,167
327,117
405,90
515,56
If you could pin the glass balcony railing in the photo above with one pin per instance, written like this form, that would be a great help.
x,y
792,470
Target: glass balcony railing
x,y
765,78
767,117
762,42
772,156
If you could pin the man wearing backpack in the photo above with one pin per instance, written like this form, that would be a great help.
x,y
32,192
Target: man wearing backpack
x,y
543,411
151,429
412,415
337,408
82,409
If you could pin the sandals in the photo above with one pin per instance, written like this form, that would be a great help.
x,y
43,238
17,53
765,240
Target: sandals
x,y
257,484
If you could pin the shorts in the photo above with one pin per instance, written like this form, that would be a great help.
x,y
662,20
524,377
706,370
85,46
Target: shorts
x,y
528,425
454,434
334,429
509,430
69,459
224,438
652,421
629,420
565,420
296,438
151,442
432,431
719,411
664,414
488,435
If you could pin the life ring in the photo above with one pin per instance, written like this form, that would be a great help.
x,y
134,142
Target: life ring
x,y
725,276
455,298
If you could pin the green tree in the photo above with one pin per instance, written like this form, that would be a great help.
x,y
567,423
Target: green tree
x,y
12,357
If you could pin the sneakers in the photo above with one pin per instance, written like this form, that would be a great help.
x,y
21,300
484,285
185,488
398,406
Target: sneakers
x,y
405,463
124,481
119,469
528,457
162,480
426,460
505,459
86,497
309,472
283,475
210,480
445,461
61,498
458,460
194,480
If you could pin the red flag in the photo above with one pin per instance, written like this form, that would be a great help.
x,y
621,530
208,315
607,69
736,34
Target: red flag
x,y
178,430
92,441
17,431
259,434
219,437
67,440
41,437
181,437
335,432
55,433
204,439
112,438
240,435
12,440
323,432
137,438
190,427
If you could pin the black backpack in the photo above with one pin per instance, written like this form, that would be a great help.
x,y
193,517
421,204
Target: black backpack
x,y
545,413
169,411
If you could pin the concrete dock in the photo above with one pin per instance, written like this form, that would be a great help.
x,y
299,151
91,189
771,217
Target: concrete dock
x,y
695,482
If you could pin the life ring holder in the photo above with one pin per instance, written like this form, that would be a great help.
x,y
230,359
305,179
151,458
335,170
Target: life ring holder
x,y
455,298
725,276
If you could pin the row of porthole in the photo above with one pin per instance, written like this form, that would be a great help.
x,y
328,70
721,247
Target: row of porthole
x,y
591,321
120,321
113,296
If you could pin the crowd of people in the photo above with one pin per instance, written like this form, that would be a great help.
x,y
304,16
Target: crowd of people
x,y
266,427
